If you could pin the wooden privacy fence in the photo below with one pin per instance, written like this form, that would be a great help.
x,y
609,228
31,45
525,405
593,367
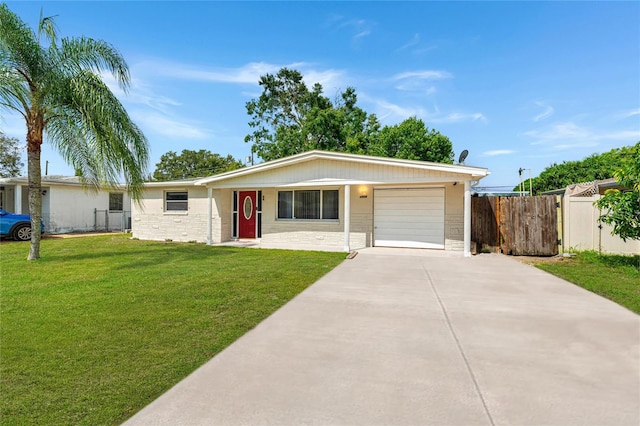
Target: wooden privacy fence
x,y
516,225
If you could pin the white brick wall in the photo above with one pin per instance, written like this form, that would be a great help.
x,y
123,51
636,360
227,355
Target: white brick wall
x,y
152,222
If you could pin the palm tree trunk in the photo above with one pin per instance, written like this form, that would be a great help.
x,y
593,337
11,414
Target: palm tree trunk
x,y
34,147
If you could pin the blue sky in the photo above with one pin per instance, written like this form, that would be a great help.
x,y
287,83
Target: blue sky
x,y
518,84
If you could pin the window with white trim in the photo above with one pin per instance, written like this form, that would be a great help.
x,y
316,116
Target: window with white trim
x,y
176,201
308,204
116,201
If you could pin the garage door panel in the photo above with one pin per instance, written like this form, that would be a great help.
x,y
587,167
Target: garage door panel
x,y
402,209
409,217
408,244
408,227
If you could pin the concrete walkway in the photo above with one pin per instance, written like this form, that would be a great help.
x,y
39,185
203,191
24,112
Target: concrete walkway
x,y
413,337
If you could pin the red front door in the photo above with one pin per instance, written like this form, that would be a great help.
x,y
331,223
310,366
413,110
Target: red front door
x,y
247,214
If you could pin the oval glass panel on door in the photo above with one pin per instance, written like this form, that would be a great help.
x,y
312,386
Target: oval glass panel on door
x,y
248,217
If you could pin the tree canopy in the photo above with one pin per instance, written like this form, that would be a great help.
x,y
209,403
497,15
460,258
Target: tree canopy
x,y
56,86
412,140
289,118
192,164
593,167
10,162
621,208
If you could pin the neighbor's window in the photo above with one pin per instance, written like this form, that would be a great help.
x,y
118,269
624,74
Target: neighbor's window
x,y
308,204
116,201
176,201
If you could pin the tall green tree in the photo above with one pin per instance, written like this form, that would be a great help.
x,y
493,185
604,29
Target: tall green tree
x,y
593,167
289,118
55,85
10,161
621,208
192,164
413,140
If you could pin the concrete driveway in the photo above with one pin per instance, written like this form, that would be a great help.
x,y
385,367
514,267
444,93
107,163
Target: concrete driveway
x,y
413,337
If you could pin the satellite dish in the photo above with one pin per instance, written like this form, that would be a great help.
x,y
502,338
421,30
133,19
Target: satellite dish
x,y
463,156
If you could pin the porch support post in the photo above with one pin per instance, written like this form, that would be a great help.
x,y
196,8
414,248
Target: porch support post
x,y
347,216
209,214
467,218
17,199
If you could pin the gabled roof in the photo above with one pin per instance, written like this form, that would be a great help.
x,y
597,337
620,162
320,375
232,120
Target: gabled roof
x,y
586,189
473,172
57,180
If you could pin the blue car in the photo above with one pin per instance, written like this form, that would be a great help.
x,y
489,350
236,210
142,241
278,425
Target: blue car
x,y
16,226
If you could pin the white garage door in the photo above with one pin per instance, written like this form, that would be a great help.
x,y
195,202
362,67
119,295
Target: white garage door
x,y
409,217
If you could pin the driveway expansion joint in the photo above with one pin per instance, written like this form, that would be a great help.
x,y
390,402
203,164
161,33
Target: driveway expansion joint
x,y
458,345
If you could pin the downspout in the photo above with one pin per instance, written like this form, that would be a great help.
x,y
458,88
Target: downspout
x,y
347,216
467,218
209,214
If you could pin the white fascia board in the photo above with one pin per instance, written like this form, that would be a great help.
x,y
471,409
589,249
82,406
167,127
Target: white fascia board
x,y
328,182
170,183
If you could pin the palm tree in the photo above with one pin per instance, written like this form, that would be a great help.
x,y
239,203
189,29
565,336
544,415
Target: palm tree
x,y
58,90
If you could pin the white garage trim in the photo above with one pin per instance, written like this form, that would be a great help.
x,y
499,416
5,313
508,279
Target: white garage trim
x,y
409,217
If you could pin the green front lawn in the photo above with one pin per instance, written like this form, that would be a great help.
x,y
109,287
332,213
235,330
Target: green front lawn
x,y
612,276
101,326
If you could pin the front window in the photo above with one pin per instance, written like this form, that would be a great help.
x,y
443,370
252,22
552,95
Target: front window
x,y
116,201
176,201
308,204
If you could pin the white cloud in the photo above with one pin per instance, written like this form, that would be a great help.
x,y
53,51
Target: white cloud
x,y
419,81
329,79
166,126
423,75
548,112
413,42
627,114
247,74
457,117
359,27
394,113
568,135
139,92
416,46
495,152
362,34
557,132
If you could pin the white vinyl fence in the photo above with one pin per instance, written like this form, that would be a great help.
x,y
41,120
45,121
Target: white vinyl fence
x,y
582,231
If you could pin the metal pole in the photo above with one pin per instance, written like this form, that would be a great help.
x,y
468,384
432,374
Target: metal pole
x,y
467,219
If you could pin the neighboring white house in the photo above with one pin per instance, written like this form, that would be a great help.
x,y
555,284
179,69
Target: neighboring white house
x,y
318,201
67,206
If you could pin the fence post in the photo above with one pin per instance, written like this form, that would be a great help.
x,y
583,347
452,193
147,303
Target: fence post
x,y
106,220
95,219
560,223
497,215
